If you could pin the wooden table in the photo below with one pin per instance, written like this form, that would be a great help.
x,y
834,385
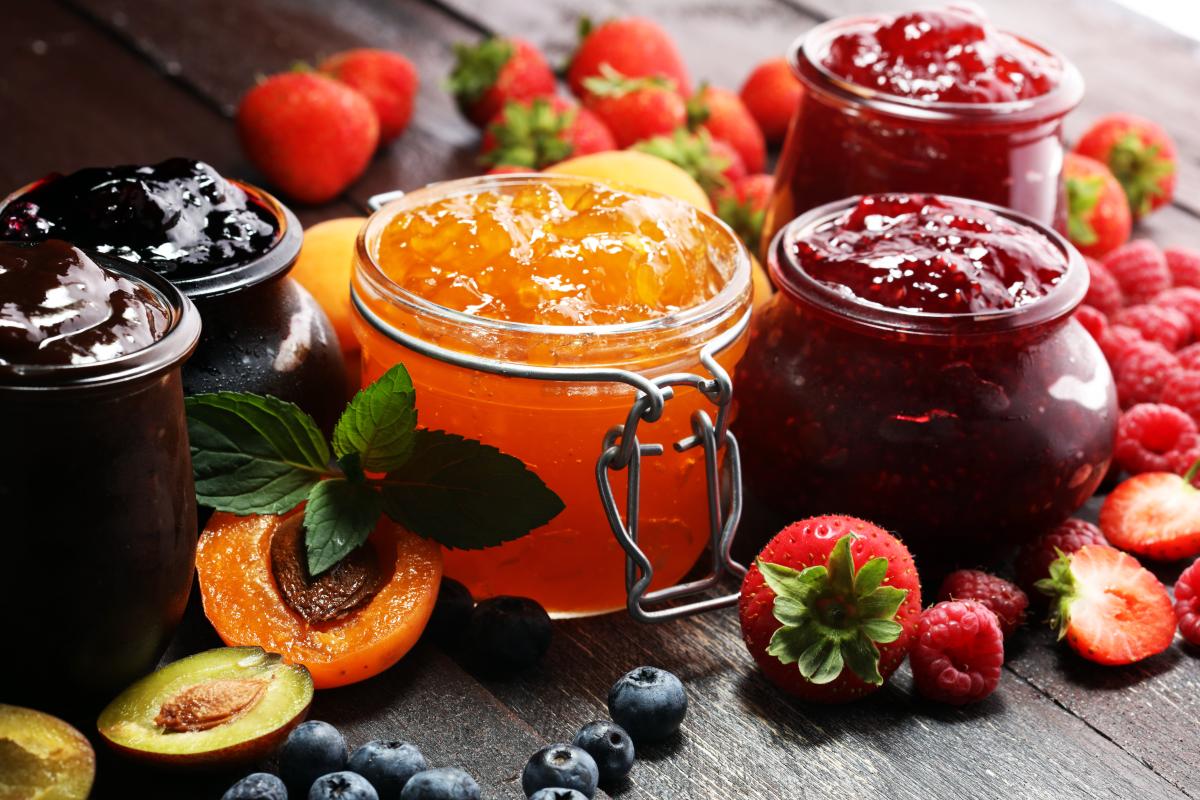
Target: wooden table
x,y
87,82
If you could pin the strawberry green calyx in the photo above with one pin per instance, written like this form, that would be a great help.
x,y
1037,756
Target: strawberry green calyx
x,y
832,616
698,111
1140,168
1083,193
693,152
1062,590
611,83
477,67
746,221
533,135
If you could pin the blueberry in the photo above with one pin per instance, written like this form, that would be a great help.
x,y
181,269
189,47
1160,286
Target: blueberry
x,y
509,633
649,703
312,749
342,786
451,612
257,786
610,746
561,766
387,765
557,794
444,783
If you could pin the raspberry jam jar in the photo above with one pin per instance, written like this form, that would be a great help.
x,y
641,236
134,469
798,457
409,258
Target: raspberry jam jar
x,y
920,368
99,511
228,245
533,273
926,101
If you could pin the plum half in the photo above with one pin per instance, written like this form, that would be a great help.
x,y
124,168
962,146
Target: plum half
x,y
226,706
42,757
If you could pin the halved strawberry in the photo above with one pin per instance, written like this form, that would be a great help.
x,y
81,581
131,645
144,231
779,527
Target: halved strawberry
x,y
1108,607
1155,514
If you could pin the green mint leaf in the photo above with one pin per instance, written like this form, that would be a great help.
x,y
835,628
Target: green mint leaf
x,y
253,454
464,494
379,422
339,517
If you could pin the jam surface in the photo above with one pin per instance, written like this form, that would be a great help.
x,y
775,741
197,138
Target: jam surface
x,y
179,217
950,55
553,254
59,307
931,254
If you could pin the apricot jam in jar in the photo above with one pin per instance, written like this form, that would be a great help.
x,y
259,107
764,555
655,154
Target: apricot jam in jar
x,y
920,368
537,274
933,100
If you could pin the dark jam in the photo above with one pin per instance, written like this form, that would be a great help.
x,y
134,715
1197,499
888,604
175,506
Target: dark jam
x,y
179,217
938,102
59,308
949,55
940,389
924,253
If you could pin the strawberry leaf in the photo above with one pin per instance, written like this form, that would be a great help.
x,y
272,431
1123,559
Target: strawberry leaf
x,y
1083,193
822,662
862,657
477,67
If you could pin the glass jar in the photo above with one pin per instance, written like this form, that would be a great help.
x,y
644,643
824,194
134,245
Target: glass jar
x,y
959,431
847,139
99,513
573,565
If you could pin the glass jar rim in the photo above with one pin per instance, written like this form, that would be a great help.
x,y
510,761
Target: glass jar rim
x,y
720,304
272,263
792,279
166,352
807,63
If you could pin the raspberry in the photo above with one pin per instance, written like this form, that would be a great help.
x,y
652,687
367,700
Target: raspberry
x,y
1189,357
1154,437
1182,390
1004,599
1140,269
1141,370
1185,299
1117,340
1170,327
957,652
1184,265
1187,603
1033,562
1093,320
1104,293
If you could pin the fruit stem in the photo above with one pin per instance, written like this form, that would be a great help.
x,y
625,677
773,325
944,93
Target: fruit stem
x,y
1190,475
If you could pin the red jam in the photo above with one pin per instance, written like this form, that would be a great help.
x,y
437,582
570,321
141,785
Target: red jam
x,y
925,253
920,369
932,102
950,55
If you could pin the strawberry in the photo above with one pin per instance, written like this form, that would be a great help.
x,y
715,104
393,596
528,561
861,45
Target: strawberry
x,y
771,95
1099,219
1140,154
1108,607
311,136
537,133
712,163
829,608
1034,559
388,80
1155,514
633,46
743,207
634,108
726,118
488,75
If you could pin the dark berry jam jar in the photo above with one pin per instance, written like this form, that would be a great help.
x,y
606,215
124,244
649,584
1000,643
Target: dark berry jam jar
x,y
228,245
927,101
99,511
920,368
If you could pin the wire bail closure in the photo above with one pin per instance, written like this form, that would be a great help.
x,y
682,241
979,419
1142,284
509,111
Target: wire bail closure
x,y
622,451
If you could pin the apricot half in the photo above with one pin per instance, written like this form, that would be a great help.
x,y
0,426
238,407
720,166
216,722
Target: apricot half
x,y
230,705
42,757
362,634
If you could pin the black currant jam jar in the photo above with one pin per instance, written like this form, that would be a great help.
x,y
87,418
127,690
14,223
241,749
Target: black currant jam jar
x,y
227,245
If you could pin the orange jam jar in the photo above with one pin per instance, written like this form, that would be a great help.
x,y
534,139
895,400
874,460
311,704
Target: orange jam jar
x,y
514,301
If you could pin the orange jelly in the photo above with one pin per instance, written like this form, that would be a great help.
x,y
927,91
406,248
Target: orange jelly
x,y
529,272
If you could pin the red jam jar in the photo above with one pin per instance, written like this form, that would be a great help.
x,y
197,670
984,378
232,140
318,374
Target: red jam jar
x,y
926,101
920,367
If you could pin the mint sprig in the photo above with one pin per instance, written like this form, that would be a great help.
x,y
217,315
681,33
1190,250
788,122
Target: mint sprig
x,y
260,455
